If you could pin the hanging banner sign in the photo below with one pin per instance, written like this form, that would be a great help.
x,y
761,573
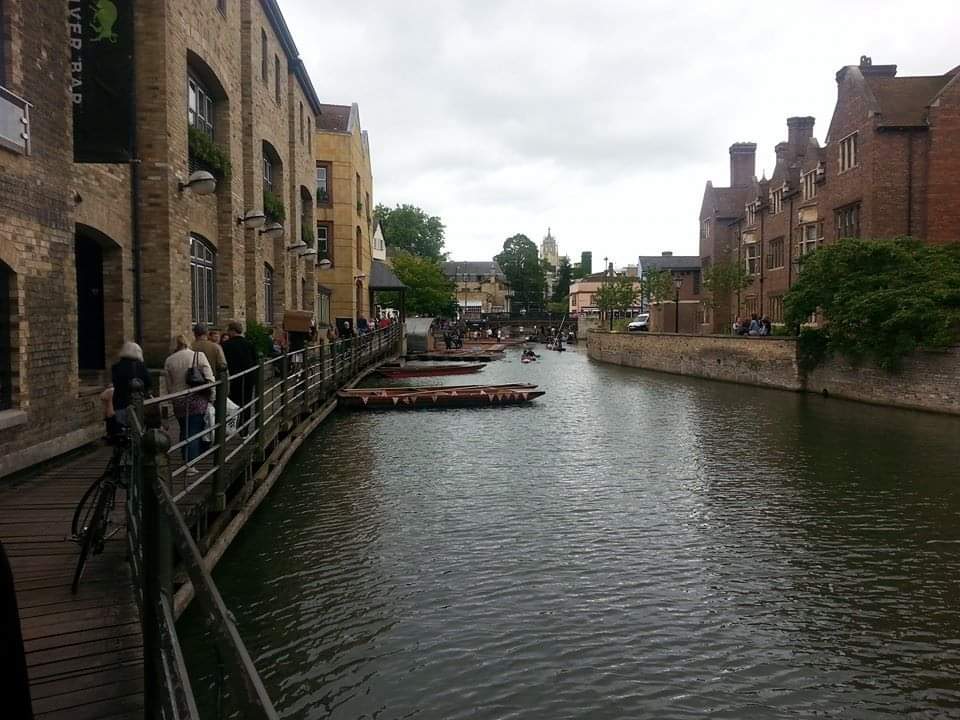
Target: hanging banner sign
x,y
101,79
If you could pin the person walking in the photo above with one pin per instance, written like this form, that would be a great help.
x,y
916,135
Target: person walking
x,y
182,368
213,351
241,355
126,369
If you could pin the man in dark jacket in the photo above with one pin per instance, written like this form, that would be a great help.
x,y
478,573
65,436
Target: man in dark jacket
x,y
14,685
241,355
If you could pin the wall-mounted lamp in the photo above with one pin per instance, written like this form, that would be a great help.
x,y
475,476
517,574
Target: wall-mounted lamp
x,y
199,183
324,264
272,231
297,246
305,251
252,219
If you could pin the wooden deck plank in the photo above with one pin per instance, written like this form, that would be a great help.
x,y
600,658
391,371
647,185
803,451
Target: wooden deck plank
x,y
84,652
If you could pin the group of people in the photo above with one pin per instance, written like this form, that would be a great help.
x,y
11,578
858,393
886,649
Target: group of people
x,y
754,326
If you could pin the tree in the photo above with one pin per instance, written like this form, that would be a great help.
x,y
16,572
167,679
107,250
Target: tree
x,y
657,284
520,262
429,291
562,288
617,295
723,279
409,228
881,299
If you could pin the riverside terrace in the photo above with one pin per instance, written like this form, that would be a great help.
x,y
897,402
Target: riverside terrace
x,y
112,649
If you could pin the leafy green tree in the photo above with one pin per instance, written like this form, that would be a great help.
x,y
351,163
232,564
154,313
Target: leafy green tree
x,y
618,294
409,228
520,262
657,284
881,299
564,275
429,292
723,279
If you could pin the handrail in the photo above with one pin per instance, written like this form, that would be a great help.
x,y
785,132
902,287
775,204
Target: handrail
x,y
158,530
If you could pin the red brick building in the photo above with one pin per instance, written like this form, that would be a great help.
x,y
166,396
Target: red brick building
x,y
890,166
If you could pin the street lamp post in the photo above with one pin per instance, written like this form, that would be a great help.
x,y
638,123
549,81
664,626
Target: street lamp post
x,y
677,283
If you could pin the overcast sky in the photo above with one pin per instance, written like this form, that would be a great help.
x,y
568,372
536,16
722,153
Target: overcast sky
x,y
602,120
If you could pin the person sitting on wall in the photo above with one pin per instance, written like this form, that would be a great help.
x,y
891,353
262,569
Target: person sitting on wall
x,y
754,329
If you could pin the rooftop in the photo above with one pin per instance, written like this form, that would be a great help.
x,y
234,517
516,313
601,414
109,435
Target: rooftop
x,y
486,268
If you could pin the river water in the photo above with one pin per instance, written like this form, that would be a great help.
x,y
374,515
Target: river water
x,y
631,545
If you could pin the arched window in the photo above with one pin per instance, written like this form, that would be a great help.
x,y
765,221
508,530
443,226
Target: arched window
x,y
7,309
359,248
267,294
199,106
203,280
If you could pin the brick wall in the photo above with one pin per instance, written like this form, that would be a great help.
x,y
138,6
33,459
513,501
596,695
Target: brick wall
x,y
929,381
943,210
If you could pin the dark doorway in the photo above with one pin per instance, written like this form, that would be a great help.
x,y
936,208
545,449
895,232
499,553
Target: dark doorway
x,y
90,325
6,355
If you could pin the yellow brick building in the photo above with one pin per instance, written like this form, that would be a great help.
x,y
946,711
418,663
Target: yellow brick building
x,y
344,216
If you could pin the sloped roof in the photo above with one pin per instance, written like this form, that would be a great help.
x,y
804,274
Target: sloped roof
x,y
723,202
486,268
334,118
382,277
904,101
670,262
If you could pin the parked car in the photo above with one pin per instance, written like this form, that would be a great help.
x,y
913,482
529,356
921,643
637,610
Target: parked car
x,y
641,323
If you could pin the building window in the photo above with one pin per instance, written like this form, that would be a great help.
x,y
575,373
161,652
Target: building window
x,y
309,135
203,280
301,123
810,237
752,214
776,201
359,196
276,78
323,307
696,282
267,174
263,56
304,298
775,308
199,107
752,255
809,182
775,254
222,7
324,242
751,305
267,294
847,221
7,305
848,152
323,183
703,230
359,249
368,207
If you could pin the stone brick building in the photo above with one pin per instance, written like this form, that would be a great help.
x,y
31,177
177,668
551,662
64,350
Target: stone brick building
x,y
680,312
95,253
890,166
481,288
345,226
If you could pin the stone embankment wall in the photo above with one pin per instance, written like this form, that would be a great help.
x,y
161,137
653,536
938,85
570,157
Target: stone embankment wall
x,y
929,381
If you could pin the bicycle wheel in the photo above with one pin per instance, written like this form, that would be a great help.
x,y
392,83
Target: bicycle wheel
x,y
86,506
94,533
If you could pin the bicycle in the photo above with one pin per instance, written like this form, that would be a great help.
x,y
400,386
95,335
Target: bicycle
x,y
91,522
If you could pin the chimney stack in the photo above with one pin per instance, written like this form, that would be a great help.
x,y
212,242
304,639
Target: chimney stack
x,y
780,149
799,131
743,164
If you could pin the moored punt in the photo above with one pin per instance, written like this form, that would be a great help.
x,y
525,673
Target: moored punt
x,y
410,371
471,355
439,396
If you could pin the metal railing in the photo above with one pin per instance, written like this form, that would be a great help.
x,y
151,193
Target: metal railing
x,y
175,486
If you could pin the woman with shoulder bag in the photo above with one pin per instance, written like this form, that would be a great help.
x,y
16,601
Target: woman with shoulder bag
x,y
185,369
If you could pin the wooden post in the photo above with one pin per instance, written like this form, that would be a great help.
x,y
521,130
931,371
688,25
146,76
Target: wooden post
x,y
220,438
261,422
157,564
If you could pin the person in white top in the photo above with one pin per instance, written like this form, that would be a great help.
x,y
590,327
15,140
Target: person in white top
x,y
189,409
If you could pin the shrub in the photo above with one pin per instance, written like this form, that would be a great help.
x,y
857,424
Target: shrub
x,y
273,207
207,153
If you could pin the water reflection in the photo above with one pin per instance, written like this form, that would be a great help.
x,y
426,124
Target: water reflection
x,y
631,545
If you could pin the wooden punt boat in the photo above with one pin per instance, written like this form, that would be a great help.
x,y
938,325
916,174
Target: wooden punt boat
x,y
411,371
439,396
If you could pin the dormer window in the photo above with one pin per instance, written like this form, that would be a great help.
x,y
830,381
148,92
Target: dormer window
x,y
809,183
776,201
752,214
848,153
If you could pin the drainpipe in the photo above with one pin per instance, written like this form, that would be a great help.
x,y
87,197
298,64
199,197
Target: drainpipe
x,y
909,183
135,207
761,260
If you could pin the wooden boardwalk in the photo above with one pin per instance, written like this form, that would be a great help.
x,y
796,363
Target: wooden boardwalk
x,y
84,651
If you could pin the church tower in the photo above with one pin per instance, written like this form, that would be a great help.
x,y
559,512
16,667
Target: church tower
x,y
548,250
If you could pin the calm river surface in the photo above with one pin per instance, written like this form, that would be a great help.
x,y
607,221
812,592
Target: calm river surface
x,y
631,545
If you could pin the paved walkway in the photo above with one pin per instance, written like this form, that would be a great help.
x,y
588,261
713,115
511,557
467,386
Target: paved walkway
x,y
84,651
